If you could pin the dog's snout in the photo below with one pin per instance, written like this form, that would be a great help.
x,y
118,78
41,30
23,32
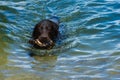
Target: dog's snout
x,y
44,36
43,39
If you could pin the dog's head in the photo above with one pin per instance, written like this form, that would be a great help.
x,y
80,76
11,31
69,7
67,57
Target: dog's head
x,y
44,34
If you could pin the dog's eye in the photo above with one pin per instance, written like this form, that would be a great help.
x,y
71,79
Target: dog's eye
x,y
41,28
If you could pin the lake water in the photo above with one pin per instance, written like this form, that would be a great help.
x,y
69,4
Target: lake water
x,y
89,48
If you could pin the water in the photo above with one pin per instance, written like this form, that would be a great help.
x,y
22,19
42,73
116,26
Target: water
x,y
89,50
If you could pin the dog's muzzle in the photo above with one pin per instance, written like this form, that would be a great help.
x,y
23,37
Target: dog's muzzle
x,y
42,45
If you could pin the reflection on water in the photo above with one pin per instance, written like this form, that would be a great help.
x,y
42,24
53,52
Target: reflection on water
x,y
89,48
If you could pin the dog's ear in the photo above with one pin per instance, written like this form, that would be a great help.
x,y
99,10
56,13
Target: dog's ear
x,y
36,31
55,29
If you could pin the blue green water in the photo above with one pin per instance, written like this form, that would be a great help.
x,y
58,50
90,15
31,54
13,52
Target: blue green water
x,y
89,50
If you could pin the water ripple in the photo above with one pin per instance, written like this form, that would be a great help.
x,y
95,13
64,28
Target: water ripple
x,y
89,48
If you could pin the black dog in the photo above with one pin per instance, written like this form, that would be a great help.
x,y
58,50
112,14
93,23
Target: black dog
x,y
45,33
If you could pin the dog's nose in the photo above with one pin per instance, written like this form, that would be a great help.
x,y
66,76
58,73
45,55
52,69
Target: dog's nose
x,y
43,39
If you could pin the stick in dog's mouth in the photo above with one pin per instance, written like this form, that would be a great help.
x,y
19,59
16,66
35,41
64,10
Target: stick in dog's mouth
x,y
39,43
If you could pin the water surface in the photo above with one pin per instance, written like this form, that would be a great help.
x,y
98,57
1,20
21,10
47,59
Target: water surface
x,y
88,50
